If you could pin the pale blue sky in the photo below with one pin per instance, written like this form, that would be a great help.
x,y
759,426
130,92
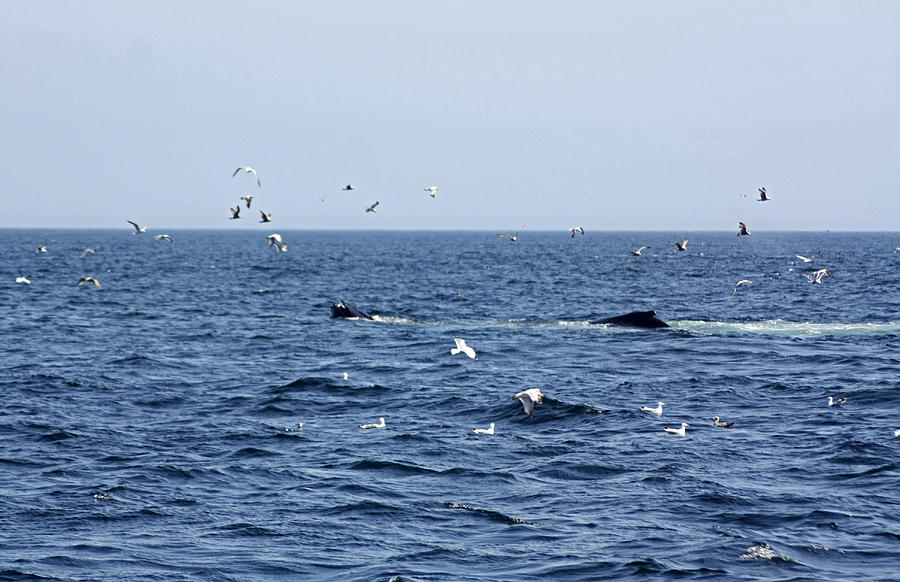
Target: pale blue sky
x,y
613,115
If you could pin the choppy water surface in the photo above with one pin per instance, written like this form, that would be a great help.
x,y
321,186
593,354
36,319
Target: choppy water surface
x,y
148,429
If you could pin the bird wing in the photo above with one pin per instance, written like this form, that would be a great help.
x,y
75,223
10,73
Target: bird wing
x,y
528,404
134,224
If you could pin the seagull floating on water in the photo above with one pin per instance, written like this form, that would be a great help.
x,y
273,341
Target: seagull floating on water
x,y
432,190
818,275
529,398
742,229
679,246
23,280
897,433
637,252
677,431
346,376
721,424
741,282
838,402
763,195
462,347
88,280
137,229
657,411
265,217
576,230
41,249
163,237
372,208
484,430
379,424
248,170
248,199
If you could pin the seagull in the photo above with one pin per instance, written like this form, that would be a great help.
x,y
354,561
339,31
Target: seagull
x,y
462,347
897,433
805,259
235,212
838,402
763,195
742,229
89,251
163,237
513,237
721,424
379,424
88,280
741,282
346,376
818,275
372,208
137,229
679,246
637,252
677,431
265,217
432,190
248,170
484,430
41,249
529,398
657,411
349,187
23,280
276,241
576,230
248,198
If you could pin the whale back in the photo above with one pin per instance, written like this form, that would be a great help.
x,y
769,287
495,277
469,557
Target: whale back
x,y
645,319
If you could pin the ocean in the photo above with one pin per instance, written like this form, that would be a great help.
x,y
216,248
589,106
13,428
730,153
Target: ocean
x,y
149,427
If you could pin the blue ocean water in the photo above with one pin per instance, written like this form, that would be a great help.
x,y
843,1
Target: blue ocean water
x,y
149,428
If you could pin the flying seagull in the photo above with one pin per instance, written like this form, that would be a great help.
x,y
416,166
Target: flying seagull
x,y
89,251
679,246
529,398
763,195
163,237
379,424
137,229
513,237
742,229
741,282
88,280
484,430
721,424
657,411
248,170
235,212
818,275
838,402
637,252
576,230
805,259
276,241
372,208
265,217
248,199
349,187
677,431
462,347
432,190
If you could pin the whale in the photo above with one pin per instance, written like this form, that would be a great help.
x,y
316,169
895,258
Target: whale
x,y
644,319
344,309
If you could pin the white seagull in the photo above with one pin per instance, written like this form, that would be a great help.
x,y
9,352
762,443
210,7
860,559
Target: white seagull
x,y
838,402
88,280
432,190
818,275
137,229
637,252
741,282
805,259
462,347
372,208
248,199
379,424
23,280
248,170
89,251
163,237
529,398
513,237
679,246
677,431
897,433
484,430
720,423
576,230
276,241
41,249
657,411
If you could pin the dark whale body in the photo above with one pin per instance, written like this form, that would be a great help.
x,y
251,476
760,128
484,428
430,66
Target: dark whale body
x,y
645,319
344,309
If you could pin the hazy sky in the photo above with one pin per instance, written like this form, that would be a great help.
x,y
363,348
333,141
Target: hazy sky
x,y
613,115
